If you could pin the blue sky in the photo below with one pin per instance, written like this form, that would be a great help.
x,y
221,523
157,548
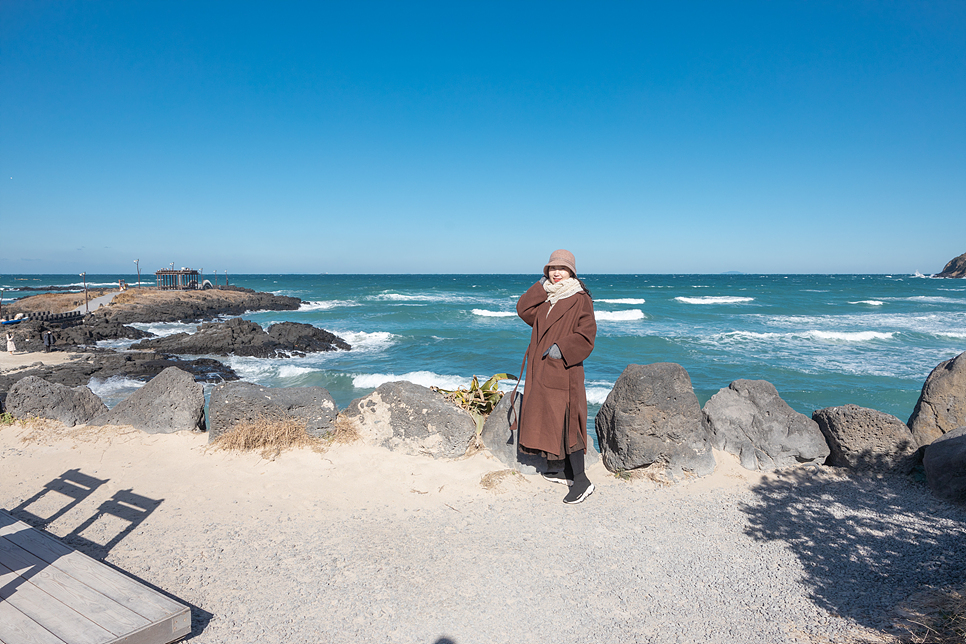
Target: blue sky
x,y
418,137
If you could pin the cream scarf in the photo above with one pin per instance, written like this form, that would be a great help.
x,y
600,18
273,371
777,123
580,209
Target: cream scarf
x,y
561,290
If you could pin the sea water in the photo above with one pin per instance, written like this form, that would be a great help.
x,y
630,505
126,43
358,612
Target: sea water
x,y
822,340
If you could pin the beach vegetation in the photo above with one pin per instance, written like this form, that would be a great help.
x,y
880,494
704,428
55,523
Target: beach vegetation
x,y
344,430
937,617
269,436
6,418
478,399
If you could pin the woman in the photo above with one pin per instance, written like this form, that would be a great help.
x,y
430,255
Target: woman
x,y
11,347
553,419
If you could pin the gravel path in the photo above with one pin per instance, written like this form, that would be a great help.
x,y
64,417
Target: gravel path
x,y
812,556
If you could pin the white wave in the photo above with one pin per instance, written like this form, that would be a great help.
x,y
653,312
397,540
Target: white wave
x,y
424,378
596,395
623,300
869,302
850,336
494,314
934,299
326,305
450,298
117,345
952,334
292,371
619,316
114,389
842,336
162,329
367,341
714,299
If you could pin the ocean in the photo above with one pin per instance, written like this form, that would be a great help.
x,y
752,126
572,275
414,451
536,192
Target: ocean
x,y
822,340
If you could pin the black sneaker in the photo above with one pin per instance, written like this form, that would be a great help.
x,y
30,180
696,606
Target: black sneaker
x,y
579,492
557,477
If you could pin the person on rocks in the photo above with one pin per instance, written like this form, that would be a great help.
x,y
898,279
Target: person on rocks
x,y
11,347
553,417
48,341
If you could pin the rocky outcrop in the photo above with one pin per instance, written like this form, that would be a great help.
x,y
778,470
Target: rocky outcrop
x,y
245,338
243,402
954,268
36,397
136,366
504,444
170,402
748,418
29,334
652,416
942,403
408,418
944,461
866,440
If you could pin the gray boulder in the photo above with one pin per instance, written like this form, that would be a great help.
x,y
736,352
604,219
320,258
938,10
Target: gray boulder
x,y
504,444
408,418
942,403
238,402
944,461
653,417
748,418
866,439
32,396
172,401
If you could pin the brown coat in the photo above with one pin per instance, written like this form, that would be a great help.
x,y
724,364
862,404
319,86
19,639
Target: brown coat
x,y
554,414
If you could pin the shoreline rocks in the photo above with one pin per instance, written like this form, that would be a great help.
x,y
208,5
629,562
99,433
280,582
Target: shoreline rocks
x,y
867,440
33,396
942,404
243,402
652,416
170,402
749,419
245,338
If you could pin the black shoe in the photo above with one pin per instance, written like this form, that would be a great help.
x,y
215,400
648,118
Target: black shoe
x,y
557,477
579,491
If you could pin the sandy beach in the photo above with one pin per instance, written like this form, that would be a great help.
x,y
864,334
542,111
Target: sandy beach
x,y
360,544
23,359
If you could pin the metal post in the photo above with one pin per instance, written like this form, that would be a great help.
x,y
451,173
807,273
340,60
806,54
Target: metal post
x,y
138,265
86,306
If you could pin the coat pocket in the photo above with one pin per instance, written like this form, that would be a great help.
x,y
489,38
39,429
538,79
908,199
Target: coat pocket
x,y
555,374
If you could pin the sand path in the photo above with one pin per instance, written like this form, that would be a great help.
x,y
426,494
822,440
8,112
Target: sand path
x,y
22,359
358,544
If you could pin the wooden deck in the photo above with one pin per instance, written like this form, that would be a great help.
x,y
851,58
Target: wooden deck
x,y
52,594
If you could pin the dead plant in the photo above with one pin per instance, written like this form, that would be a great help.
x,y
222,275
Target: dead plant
x,y
344,430
269,436
936,617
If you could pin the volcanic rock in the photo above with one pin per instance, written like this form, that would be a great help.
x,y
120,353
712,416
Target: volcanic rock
x,y
942,404
652,416
170,402
944,461
243,402
408,418
245,338
748,418
866,439
956,267
32,396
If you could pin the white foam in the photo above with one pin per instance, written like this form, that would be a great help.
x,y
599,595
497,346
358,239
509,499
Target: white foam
x,y
292,371
952,334
869,302
367,341
714,299
597,394
619,316
934,299
424,378
162,329
494,314
852,336
326,305
114,389
623,300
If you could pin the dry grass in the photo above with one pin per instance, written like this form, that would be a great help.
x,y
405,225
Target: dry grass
x,y
272,436
494,480
344,430
269,436
936,617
